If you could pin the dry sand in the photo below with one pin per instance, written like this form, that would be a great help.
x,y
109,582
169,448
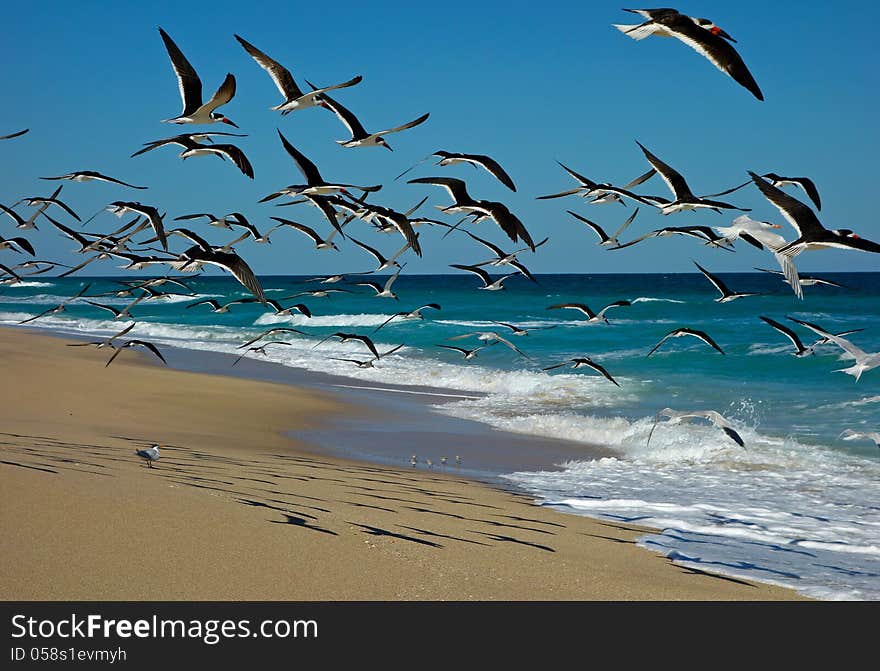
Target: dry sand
x,y
234,510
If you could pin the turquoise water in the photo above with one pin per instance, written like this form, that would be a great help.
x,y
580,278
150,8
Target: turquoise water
x,y
798,506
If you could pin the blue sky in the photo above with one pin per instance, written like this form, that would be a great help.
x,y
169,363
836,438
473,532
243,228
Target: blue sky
x,y
528,84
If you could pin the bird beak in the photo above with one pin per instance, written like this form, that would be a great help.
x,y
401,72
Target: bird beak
x,y
717,31
229,121
776,226
387,146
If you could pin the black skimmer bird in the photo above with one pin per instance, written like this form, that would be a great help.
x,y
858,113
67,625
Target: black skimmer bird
x,y
149,455
756,233
41,200
260,349
217,307
410,315
391,220
491,338
288,311
315,184
726,294
812,235
224,151
703,233
581,362
506,220
119,314
294,98
602,192
320,242
503,258
194,110
194,257
359,135
108,342
318,293
805,280
383,291
488,283
17,244
345,337
13,135
800,350
184,140
684,197
120,207
30,222
384,264
606,240
213,219
873,436
60,307
136,343
519,331
488,164
468,354
277,329
865,361
91,175
680,332
676,417
592,317
369,363
701,35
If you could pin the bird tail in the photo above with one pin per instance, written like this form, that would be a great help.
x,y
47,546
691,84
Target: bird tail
x,y
856,371
638,31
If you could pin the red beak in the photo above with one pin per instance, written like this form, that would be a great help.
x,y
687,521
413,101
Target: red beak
x,y
225,120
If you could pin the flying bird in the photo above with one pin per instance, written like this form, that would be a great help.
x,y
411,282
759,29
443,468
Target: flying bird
x,y
592,317
584,362
359,135
726,294
12,135
194,110
137,343
409,315
701,35
606,240
812,235
865,361
120,207
91,175
684,197
294,97
488,283
676,417
680,332
873,436
487,163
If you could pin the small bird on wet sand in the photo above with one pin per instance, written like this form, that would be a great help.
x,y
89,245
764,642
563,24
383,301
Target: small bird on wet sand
x,y
149,455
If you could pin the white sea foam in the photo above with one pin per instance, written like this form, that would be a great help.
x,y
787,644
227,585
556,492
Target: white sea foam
x,y
26,283
650,299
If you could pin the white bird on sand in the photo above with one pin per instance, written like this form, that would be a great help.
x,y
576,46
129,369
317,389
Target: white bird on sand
x,y
149,455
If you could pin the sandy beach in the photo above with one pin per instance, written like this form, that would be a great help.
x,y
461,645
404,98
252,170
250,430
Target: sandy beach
x,y
235,510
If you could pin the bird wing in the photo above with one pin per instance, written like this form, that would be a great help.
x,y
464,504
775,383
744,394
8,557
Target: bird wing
x,y
702,335
306,167
787,332
603,237
722,288
346,116
280,75
626,224
491,166
223,94
187,78
12,135
599,369
302,228
150,346
457,188
672,177
237,156
801,217
411,124
479,272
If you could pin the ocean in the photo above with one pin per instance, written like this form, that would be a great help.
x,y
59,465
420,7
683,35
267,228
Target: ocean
x,y
797,506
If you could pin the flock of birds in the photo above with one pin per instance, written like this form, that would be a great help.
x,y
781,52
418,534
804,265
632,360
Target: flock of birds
x,y
341,203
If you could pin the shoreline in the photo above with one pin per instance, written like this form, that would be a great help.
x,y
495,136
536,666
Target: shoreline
x,y
237,510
